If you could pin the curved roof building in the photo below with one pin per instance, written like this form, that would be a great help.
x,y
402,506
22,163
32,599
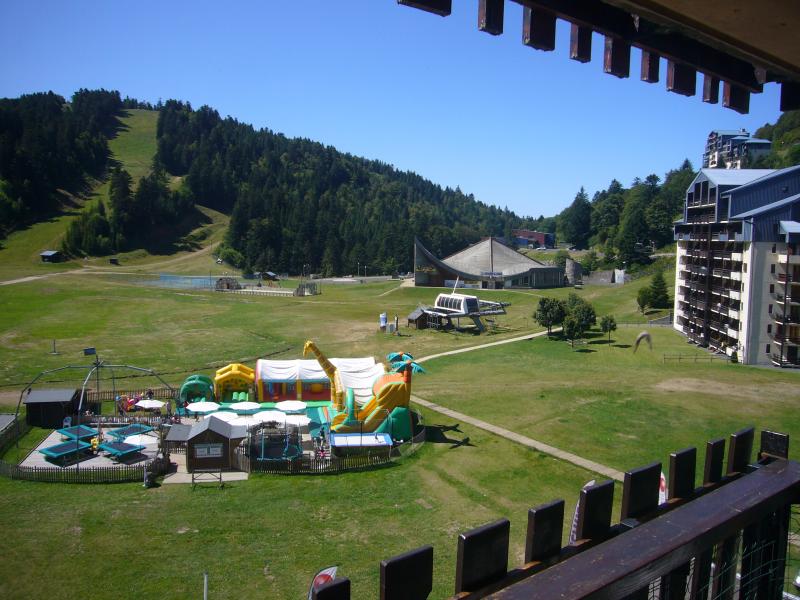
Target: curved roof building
x,y
489,263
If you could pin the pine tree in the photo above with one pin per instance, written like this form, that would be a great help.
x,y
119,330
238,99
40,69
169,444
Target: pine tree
x,y
659,296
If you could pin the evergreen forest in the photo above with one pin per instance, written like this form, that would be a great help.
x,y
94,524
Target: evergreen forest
x,y
294,203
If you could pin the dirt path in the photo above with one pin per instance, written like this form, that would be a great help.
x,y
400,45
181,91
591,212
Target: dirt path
x,y
506,433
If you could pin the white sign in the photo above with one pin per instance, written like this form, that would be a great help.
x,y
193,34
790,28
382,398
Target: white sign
x,y
207,450
492,273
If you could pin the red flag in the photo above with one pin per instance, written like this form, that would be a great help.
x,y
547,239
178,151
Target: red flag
x,y
321,578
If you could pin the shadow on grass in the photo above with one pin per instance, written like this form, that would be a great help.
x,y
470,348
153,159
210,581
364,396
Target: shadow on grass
x,y
621,345
599,342
585,350
436,435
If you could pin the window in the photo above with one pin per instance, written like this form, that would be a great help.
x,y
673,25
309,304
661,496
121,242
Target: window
x,y
769,309
769,327
767,348
771,288
772,269
774,248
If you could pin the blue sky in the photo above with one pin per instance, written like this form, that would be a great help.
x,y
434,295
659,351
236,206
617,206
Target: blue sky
x,y
514,126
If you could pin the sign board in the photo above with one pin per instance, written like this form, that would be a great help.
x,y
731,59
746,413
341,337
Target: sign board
x,y
491,273
207,450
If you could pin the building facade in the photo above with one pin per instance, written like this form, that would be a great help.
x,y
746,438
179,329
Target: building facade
x,y
537,239
489,264
737,276
733,149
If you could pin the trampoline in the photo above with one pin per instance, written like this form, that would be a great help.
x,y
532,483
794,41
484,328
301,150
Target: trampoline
x,y
78,432
120,449
129,430
63,450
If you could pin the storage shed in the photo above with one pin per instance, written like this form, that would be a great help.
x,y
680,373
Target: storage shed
x,y
47,408
211,444
51,256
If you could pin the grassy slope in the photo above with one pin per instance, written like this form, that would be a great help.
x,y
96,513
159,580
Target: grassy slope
x,y
611,405
267,536
133,148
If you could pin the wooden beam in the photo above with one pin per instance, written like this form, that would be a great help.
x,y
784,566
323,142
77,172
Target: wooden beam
x,y
545,524
338,589
790,95
408,576
580,43
443,8
490,16
631,560
482,556
617,57
710,89
681,79
650,66
539,29
615,22
640,491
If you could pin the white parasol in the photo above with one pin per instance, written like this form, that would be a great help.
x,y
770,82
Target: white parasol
x,y
202,407
271,416
299,420
245,406
141,440
223,415
248,421
148,404
291,405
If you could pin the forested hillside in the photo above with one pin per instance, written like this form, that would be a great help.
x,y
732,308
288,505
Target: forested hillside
x,y
785,138
49,147
296,202
623,222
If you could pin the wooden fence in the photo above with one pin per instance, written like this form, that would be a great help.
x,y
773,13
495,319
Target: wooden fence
x,y
15,430
662,551
113,474
159,393
696,357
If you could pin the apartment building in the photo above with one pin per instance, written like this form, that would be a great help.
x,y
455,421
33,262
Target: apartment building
x,y
737,277
733,149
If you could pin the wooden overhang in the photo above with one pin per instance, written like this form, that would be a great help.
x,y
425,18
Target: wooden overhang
x,y
740,44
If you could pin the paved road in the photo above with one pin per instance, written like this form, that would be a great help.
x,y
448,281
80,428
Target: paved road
x,y
506,433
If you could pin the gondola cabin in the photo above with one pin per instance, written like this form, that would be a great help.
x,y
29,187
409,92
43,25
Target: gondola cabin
x,y
457,304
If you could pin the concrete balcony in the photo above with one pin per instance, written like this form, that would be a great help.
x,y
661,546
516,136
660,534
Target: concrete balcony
x,y
789,259
736,275
735,295
737,256
733,333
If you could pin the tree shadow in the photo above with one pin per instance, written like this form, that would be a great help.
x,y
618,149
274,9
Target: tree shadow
x,y
604,341
585,350
593,334
621,345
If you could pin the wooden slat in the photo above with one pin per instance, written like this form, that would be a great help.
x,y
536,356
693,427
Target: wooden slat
x,y
632,559
773,444
437,7
580,43
710,89
790,96
408,576
640,491
545,524
594,511
539,29
617,57
735,97
482,556
722,584
740,449
490,16
682,467
681,79
650,66
715,453
338,589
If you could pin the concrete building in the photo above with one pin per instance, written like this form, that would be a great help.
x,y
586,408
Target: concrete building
x,y
538,239
737,281
733,149
489,264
